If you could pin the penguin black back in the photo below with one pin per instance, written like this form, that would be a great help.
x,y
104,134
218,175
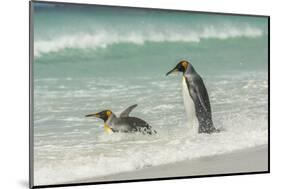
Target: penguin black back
x,y
136,125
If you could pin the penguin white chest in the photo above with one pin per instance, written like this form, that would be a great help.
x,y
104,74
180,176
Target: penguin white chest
x,y
189,106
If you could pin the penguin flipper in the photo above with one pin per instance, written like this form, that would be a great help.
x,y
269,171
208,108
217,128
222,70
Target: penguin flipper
x,y
202,102
127,111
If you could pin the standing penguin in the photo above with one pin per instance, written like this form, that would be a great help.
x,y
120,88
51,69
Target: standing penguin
x,y
195,97
124,123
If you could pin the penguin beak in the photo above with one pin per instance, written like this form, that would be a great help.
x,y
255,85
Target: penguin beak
x,y
172,71
93,115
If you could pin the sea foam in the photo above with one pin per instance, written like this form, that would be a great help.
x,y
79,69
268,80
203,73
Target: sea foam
x,y
70,148
138,151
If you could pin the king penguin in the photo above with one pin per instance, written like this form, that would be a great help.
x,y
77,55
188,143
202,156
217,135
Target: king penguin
x,y
124,123
195,98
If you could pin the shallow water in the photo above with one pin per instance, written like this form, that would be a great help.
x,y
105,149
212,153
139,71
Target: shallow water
x,y
111,62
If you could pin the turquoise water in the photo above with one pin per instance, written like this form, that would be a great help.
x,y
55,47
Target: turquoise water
x,y
87,59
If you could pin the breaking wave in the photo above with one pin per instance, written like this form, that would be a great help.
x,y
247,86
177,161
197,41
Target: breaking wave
x,y
103,39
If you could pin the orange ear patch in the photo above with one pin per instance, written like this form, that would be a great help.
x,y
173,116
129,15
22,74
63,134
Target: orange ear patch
x,y
108,113
184,64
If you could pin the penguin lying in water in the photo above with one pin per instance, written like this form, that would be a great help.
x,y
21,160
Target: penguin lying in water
x,y
124,123
195,96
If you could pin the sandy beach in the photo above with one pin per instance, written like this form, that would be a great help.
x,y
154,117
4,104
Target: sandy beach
x,y
247,160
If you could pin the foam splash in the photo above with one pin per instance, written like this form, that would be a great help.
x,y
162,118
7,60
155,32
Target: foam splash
x,y
110,154
103,39
140,151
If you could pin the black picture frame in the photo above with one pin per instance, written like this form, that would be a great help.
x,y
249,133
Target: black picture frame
x,y
31,100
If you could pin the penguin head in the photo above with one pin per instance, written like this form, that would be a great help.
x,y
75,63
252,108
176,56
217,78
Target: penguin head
x,y
182,66
104,115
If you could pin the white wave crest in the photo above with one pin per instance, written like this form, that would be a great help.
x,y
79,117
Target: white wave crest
x,y
102,39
